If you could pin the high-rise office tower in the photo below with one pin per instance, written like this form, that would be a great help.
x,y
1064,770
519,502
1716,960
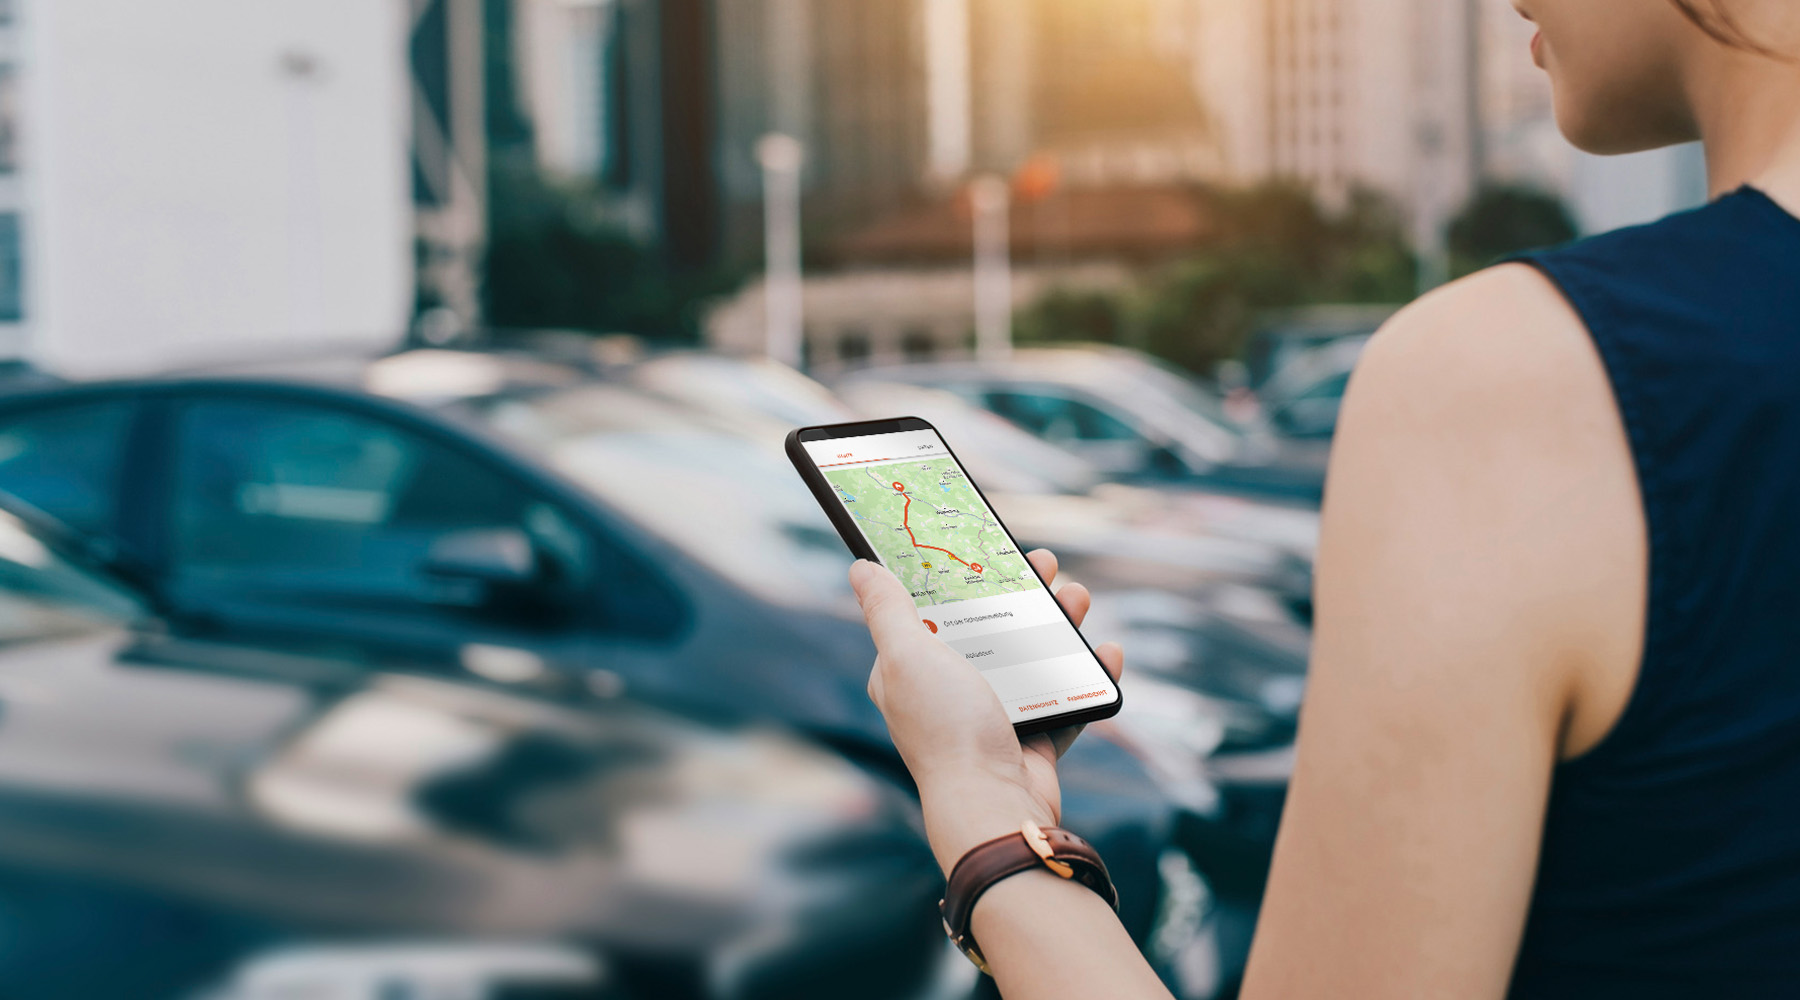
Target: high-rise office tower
x,y
848,80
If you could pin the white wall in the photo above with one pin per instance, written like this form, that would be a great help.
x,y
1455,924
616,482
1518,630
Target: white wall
x,y
212,179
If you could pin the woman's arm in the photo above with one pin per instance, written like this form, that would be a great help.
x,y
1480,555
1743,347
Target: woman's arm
x,y
1480,601
1042,936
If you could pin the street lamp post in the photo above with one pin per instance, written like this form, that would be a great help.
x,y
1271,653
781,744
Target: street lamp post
x,y
782,157
991,199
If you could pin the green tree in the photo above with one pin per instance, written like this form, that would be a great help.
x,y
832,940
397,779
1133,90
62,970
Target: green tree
x,y
1501,220
1067,314
1275,247
556,261
555,258
1200,311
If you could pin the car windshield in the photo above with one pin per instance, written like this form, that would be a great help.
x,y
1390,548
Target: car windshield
x,y
739,387
1180,389
1320,366
733,505
44,596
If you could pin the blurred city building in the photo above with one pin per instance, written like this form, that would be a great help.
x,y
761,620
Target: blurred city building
x,y
877,316
447,98
849,81
902,288
1107,91
608,98
1089,107
1098,108
228,181
589,82
654,110
244,188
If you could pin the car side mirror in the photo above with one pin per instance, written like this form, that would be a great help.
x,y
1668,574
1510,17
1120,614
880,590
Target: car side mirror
x,y
482,568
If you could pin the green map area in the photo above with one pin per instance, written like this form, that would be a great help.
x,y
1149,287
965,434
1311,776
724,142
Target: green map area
x,y
931,528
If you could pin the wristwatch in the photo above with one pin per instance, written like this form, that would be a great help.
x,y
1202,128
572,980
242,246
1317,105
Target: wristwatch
x,y
1031,847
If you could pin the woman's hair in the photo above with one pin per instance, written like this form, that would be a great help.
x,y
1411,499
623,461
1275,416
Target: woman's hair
x,y
1714,18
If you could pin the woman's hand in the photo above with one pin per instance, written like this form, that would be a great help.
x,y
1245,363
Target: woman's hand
x,y
976,779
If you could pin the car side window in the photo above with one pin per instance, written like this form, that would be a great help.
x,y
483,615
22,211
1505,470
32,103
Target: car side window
x,y
1058,418
1329,388
65,460
289,500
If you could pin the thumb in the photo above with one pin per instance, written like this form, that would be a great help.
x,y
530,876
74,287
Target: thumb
x,y
886,605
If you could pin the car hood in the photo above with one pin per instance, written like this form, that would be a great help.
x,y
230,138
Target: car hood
x,y
275,784
1208,537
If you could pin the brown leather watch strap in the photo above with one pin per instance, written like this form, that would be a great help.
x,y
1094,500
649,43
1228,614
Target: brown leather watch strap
x,y
1052,848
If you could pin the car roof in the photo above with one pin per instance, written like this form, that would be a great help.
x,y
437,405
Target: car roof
x,y
427,377
423,375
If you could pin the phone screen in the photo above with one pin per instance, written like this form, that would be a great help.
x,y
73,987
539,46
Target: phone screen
x,y
931,527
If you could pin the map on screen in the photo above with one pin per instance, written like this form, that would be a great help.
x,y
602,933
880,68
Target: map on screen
x,y
931,529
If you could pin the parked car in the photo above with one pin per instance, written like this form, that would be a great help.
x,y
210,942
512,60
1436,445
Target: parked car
x,y
1127,534
1211,592
481,528
1285,334
1108,534
1131,416
459,970
1228,757
1303,396
746,392
170,805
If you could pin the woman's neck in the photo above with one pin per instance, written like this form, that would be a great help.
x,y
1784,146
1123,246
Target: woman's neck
x,y
1747,107
1780,180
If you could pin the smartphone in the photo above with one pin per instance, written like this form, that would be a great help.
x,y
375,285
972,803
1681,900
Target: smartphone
x,y
899,497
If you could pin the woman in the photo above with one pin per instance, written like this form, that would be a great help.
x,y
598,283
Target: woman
x,y
1551,744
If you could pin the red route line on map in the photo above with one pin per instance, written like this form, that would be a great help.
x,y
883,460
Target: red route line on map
x,y
904,513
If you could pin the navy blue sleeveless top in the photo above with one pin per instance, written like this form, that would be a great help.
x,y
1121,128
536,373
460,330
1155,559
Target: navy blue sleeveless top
x,y
1671,852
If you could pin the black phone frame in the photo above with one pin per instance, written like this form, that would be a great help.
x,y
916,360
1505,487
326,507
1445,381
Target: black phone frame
x,y
859,545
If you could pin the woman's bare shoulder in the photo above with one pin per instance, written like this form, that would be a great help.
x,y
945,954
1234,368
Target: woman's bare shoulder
x,y
1487,338
1483,412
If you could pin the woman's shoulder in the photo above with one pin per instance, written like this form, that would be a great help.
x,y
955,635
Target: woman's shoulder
x,y
1500,358
1489,396
1536,318
1502,337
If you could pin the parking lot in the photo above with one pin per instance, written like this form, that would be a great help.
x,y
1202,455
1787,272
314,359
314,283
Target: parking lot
x,y
403,589
473,644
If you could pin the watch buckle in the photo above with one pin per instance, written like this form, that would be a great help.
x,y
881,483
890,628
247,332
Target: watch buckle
x,y
1040,845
